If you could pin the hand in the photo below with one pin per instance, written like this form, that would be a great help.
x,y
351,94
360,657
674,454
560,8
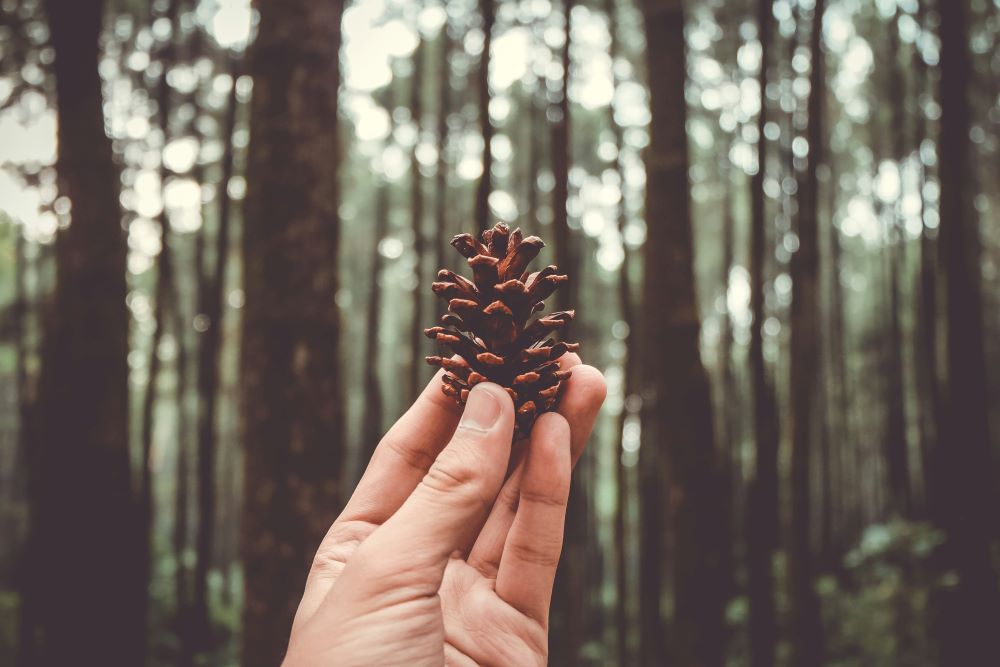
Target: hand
x,y
436,559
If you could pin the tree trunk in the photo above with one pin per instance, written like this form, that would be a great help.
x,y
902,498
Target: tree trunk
x,y
762,505
371,426
418,342
564,250
968,613
896,441
164,291
441,177
210,300
570,592
488,10
293,419
677,413
728,403
927,346
86,483
623,480
25,459
806,629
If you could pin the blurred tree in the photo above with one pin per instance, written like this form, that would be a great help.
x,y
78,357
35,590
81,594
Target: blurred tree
x,y
677,438
162,307
762,514
570,597
292,393
441,176
896,441
211,291
418,342
83,473
372,418
487,8
805,411
969,612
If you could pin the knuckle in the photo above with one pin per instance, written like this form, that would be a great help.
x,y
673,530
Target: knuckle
x,y
457,474
555,498
539,553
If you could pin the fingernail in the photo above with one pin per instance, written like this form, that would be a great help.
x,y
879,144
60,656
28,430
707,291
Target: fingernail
x,y
482,410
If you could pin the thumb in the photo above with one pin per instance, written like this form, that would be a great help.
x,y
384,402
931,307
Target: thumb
x,y
447,509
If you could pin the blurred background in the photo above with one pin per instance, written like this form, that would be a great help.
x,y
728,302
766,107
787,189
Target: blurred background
x,y
218,227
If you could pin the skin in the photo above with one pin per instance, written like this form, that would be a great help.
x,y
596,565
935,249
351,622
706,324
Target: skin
x,y
447,551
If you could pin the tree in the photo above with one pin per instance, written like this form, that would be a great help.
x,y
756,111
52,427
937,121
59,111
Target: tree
x,y
84,476
969,614
441,176
488,10
762,506
677,430
292,394
805,413
897,463
418,341
211,288
371,425
162,309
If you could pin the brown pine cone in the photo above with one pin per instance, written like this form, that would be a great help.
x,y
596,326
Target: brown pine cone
x,y
489,327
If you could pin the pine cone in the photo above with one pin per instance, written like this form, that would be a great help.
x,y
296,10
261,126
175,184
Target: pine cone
x,y
489,327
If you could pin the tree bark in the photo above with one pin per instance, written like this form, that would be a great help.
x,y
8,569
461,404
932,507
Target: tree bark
x,y
488,10
806,629
762,505
371,425
623,480
565,256
210,307
968,613
418,342
441,176
162,308
86,483
677,429
570,592
897,455
292,392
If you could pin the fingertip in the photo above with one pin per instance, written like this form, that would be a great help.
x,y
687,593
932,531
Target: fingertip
x,y
569,360
549,456
552,430
591,383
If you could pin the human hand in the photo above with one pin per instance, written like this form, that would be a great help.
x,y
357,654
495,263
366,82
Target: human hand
x,y
436,559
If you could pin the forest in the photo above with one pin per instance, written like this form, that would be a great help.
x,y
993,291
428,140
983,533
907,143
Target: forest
x,y
219,225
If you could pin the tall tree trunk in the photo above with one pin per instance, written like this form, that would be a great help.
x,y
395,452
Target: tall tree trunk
x,y
677,426
623,480
292,392
896,441
371,425
570,593
762,505
86,482
164,291
560,172
26,457
488,10
728,395
968,614
418,341
806,629
927,346
210,300
441,176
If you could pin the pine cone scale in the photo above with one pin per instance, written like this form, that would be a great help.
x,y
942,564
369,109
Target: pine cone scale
x,y
489,328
